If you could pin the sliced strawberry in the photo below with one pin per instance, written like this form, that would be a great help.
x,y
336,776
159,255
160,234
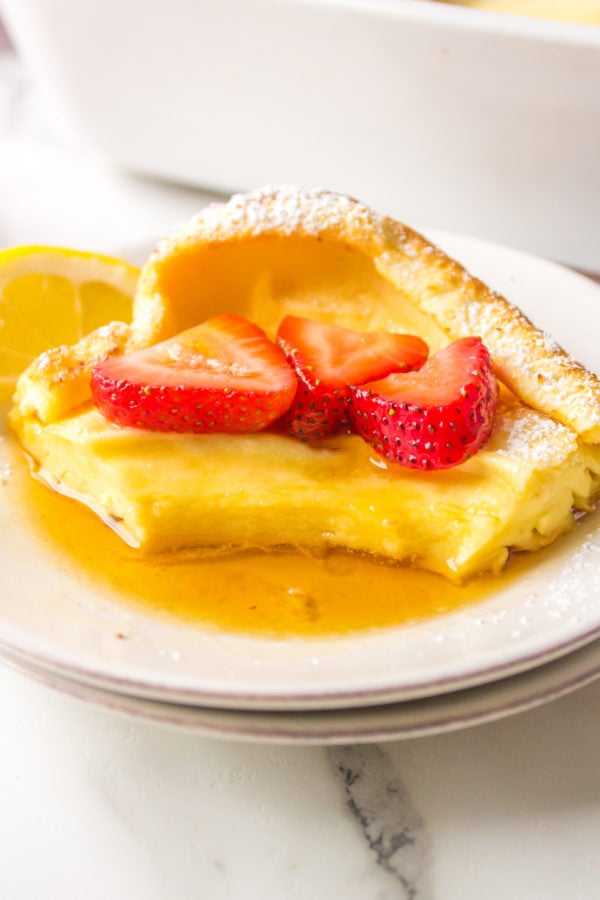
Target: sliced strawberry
x,y
435,418
223,375
329,358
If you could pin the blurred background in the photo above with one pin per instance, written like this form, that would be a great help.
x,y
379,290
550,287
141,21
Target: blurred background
x,y
453,116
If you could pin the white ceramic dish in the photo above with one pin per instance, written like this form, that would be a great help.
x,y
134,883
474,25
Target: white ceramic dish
x,y
474,122
410,719
55,618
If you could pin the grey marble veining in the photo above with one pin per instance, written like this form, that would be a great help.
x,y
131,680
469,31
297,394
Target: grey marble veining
x,y
393,829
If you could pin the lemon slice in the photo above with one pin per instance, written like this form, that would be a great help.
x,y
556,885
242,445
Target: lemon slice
x,y
51,296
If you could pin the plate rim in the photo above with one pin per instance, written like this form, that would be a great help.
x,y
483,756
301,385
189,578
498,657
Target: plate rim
x,y
441,714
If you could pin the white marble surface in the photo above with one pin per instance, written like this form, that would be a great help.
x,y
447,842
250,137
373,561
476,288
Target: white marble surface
x,y
95,806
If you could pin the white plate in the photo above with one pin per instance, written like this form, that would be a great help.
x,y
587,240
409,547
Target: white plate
x,y
398,721
58,620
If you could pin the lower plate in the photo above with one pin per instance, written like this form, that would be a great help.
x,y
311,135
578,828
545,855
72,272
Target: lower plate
x,y
411,719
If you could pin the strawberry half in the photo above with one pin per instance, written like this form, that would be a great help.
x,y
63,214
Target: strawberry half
x,y
223,375
435,418
329,358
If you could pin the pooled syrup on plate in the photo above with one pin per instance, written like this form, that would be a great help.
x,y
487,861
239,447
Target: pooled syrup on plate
x,y
273,594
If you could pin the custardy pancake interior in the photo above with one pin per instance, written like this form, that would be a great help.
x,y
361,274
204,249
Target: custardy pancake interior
x,y
317,255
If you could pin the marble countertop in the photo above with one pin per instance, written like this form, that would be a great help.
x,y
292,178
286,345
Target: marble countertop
x,y
95,805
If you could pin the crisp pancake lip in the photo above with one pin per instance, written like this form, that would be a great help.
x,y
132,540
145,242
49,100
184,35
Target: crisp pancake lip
x,y
270,252
526,359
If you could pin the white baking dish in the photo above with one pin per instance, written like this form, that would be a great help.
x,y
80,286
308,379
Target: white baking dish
x,y
445,116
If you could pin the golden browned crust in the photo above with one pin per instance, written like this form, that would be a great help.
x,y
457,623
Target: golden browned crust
x,y
528,360
59,379
539,372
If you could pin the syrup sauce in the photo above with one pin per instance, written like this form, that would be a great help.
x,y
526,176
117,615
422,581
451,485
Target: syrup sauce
x,y
272,594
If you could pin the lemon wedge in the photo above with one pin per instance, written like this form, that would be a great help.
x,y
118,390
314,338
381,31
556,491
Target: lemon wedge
x,y
52,296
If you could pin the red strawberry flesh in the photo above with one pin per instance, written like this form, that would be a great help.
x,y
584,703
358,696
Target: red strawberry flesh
x,y
223,375
328,359
434,418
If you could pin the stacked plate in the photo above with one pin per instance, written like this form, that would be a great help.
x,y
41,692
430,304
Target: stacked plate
x,y
532,639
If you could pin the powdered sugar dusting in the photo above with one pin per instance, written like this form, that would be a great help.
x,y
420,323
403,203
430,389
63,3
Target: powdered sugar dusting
x,y
579,578
291,211
535,366
283,210
534,438
549,343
